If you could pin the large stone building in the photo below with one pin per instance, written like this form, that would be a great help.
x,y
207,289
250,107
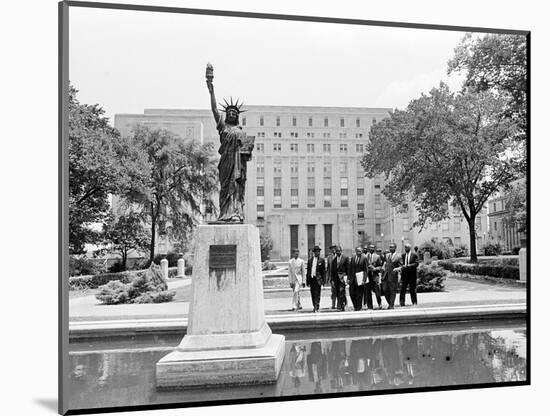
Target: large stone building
x,y
305,184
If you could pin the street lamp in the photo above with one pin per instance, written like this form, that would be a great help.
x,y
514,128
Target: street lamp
x,y
382,236
402,243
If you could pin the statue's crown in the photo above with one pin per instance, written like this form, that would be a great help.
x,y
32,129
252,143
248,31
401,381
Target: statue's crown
x,y
232,105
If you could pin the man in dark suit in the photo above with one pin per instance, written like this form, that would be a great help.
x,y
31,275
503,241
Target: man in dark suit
x,y
374,266
333,291
357,277
408,275
315,277
390,278
338,277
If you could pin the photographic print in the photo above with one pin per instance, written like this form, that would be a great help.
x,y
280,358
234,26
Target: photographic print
x,y
279,207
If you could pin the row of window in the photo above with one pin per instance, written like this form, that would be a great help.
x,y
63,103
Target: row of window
x,y
294,121
309,135
327,168
311,203
327,190
310,147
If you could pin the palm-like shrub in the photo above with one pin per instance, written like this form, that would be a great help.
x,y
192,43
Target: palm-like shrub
x,y
146,287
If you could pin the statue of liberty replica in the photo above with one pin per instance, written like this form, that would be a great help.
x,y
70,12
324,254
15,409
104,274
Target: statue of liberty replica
x,y
230,343
235,150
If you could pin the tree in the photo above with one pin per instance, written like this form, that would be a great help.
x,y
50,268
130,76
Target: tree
x,y
126,233
445,147
100,163
180,178
497,63
266,244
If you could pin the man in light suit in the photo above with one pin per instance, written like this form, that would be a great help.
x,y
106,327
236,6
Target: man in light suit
x,y
374,265
390,277
358,267
339,276
408,275
296,278
315,277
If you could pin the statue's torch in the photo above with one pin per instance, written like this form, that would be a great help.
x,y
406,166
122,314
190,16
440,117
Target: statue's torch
x,y
209,72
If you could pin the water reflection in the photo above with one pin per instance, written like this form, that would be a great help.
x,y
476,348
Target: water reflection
x,y
127,376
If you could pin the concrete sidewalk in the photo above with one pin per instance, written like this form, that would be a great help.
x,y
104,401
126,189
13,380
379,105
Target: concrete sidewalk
x,y
457,293
461,300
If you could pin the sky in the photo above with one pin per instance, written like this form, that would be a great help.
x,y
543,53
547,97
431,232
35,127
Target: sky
x,y
127,61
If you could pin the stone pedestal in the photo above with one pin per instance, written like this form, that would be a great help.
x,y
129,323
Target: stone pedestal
x,y
228,340
181,267
523,264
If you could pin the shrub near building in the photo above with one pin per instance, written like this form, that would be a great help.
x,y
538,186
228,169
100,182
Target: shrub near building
x,y
439,249
430,278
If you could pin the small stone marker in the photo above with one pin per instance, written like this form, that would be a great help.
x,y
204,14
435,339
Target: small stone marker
x,y
164,268
427,257
523,264
181,267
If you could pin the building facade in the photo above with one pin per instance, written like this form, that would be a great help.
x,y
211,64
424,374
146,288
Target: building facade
x,y
501,230
305,184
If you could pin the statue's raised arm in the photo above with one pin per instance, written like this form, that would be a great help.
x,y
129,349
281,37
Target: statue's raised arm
x,y
210,85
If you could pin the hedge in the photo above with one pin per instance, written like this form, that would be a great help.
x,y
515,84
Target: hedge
x,y
503,270
96,280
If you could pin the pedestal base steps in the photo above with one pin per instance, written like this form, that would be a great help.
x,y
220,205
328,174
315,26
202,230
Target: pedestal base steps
x,y
225,366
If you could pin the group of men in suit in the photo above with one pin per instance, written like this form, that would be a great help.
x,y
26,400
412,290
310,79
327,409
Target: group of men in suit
x,y
367,272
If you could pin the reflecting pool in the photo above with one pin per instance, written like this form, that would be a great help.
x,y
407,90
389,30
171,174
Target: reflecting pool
x,y
121,372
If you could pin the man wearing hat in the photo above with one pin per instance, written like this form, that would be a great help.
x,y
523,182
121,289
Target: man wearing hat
x,y
315,277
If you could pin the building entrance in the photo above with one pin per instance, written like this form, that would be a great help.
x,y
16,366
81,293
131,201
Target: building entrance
x,y
293,238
